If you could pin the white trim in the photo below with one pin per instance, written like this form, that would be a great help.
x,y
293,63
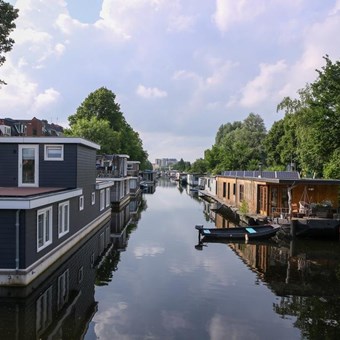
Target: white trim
x,y
62,224
53,146
93,198
35,147
81,203
107,197
36,202
10,277
102,183
45,243
49,140
101,199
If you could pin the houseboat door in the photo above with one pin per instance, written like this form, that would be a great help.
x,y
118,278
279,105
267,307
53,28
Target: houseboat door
x,y
263,199
28,166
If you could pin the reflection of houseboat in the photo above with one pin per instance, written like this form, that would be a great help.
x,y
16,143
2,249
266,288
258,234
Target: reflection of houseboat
x,y
49,201
60,304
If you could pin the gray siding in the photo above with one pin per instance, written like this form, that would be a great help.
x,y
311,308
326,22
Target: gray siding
x,y
9,165
7,239
61,174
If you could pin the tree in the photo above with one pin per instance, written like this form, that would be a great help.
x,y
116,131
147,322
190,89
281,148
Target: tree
x,y
7,16
96,130
102,105
117,136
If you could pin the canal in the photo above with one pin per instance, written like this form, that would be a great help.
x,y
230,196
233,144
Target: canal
x,y
166,288
156,282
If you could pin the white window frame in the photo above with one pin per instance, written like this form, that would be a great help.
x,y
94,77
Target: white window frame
x,y
81,203
101,200
21,182
49,157
46,214
108,196
63,289
93,198
44,311
63,218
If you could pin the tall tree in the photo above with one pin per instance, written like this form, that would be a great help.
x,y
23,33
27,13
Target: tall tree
x,y
8,14
98,110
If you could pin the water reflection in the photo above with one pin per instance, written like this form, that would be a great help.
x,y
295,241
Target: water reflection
x,y
306,277
60,303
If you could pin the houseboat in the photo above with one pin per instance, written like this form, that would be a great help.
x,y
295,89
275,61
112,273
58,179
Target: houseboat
x,y
280,195
50,200
114,168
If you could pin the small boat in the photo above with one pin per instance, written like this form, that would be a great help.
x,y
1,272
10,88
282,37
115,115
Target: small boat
x,y
248,233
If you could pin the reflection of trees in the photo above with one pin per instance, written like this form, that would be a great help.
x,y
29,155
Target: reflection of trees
x,y
316,317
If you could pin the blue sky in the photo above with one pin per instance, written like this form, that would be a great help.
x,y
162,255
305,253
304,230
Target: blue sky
x,y
179,68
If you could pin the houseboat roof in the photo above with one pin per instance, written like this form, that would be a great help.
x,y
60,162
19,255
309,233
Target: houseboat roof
x,y
48,140
277,177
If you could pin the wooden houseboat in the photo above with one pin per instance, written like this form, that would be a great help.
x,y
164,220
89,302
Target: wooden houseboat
x,y
50,201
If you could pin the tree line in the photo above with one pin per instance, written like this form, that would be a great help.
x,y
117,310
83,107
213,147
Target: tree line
x,y
306,139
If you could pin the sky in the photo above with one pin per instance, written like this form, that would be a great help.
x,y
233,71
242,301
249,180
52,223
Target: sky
x,y
179,69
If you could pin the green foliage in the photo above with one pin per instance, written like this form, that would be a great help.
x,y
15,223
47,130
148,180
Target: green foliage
x,y
182,166
200,166
332,168
8,14
100,120
96,130
244,208
237,146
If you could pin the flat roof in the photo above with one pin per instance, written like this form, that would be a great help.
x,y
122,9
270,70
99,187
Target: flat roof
x,y
49,140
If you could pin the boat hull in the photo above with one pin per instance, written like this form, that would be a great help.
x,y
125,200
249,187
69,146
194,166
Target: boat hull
x,y
250,232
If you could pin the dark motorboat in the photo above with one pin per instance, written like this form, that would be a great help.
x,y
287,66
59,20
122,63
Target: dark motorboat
x,y
248,233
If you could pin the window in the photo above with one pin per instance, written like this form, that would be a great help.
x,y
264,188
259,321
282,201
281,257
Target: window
x,y
93,198
80,274
241,192
54,153
234,188
108,198
102,199
228,191
63,218
44,228
81,203
224,189
44,311
63,289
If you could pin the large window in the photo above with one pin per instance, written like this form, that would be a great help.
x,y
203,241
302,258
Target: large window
x,y
102,199
63,218
108,198
44,228
54,153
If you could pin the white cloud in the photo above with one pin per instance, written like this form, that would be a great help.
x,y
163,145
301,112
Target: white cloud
x,y
260,88
229,12
150,92
44,100
142,251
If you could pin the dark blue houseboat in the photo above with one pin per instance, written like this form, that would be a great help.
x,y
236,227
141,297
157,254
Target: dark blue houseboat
x,y
50,201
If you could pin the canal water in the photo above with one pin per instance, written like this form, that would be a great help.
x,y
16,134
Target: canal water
x,y
166,287
155,281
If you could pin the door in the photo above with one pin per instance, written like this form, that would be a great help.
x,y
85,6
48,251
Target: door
x,y
263,199
28,166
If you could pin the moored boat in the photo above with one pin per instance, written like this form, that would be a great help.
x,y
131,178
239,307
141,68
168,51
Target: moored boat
x,y
250,232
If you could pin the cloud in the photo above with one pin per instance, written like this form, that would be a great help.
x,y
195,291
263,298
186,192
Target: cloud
x,y
229,12
150,92
261,87
142,251
44,100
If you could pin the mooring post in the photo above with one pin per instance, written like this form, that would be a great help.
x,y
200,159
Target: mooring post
x,y
293,227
